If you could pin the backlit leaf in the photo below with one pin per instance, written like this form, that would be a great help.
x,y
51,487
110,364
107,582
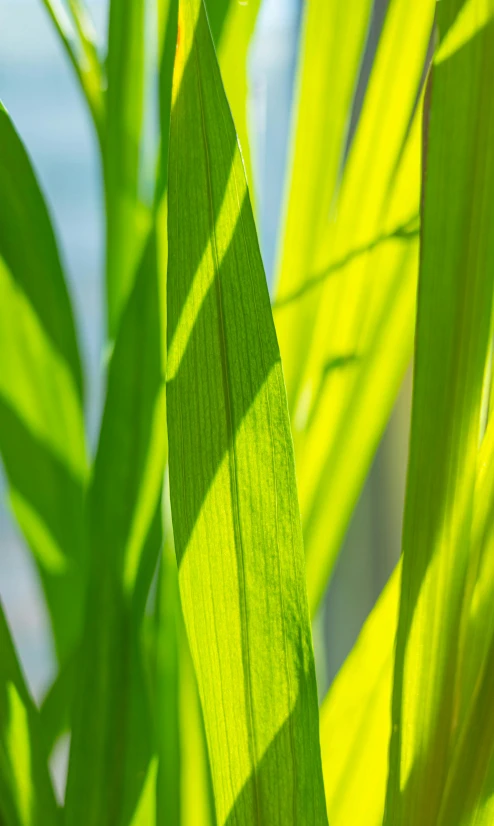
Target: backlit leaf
x,y
356,714
344,312
124,513
42,441
76,33
26,792
127,220
356,720
452,345
232,481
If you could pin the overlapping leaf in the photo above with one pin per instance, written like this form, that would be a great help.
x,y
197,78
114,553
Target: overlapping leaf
x,y
344,311
41,397
356,720
232,28
452,344
26,792
78,38
111,716
184,794
127,220
332,41
356,715
232,481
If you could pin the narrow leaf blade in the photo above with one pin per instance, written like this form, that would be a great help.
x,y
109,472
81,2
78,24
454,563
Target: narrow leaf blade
x,y
452,340
42,439
232,481
26,791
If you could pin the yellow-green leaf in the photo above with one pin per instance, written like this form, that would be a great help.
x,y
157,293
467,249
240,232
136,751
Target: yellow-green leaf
x,y
332,41
26,792
452,344
232,480
76,33
356,714
127,220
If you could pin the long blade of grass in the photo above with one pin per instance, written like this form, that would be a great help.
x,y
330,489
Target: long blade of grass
x,y
232,482
332,42
353,322
26,791
55,710
356,714
124,514
232,40
356,720
74,28
196,792
127,220
183,788
468,798
452,342
42,441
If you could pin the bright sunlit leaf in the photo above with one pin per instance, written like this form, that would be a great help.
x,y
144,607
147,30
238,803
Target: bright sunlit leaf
x,y
452,345
345,300
232,482
42,440
124,535
356,720
77,35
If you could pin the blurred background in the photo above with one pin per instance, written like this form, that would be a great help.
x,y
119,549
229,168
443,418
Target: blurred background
x,y
38,88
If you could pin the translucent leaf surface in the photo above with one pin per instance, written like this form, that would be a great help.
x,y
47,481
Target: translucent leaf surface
x,y
345,300
26,792
124,531
452,344
41,397
232,481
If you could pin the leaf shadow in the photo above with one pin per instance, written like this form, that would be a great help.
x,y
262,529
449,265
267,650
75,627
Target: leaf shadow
x,y
220,359
275,803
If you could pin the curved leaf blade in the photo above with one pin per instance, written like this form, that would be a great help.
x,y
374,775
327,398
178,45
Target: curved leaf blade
x,y
452,344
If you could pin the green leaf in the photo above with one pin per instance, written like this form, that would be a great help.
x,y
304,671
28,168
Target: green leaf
x,y
76,33
41,396
356,720
232,40
452,345
127,219
56,708
164,654
26,792
332,41
197,803
111,720
344,315
356,714
232,480
184,794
